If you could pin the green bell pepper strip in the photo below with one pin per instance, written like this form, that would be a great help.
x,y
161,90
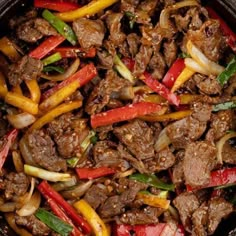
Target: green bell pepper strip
x,y
224,106
52,58
53,222
62,28
228,72
152,180
54,68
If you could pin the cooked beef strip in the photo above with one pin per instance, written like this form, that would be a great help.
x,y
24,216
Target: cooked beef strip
x,y
209,39
137,137
170,52
116,36
38,149
219,208
148,215
133,41
27,68
178,172
95,196
34,225
101,94
90,33
201,111
15,184
229,153
186,204
129,5
105,60
199,160
34,29
200,220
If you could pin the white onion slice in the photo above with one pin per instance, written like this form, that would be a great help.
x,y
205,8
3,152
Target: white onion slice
x,y
196,67
201,59
163,141
165,13
17,161
8,207
220,145
22,120
31,206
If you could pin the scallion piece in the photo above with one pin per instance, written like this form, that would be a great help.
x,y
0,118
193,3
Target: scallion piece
x,y
224,106
52,58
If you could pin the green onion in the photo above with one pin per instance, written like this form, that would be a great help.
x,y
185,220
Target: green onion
x,y
184,55
228,72
152,180
53,222
123,70
54,68
87,141
72,162
52,58
62,28
224,106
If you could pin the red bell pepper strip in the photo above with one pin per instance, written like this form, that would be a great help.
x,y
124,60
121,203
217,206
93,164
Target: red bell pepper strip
x,y
46,46
159,88
218,178
62,215
8,140
56,5
231,36
73,52
48,192
173,73
129,63
83,76
127,112
93,173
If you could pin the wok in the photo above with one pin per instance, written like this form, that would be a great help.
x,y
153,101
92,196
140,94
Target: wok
x,y
225,8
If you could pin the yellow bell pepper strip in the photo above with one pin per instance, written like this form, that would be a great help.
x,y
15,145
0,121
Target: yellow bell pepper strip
x,y
127,112
90,9
3,86
185,75
52,58
48,192
46,46
21,102
167,117
8,49
62,28
153,200
9,139
34,89
51,115
45,174
17,89
98,226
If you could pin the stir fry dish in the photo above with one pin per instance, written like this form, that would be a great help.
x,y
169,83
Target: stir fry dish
x,y
117,118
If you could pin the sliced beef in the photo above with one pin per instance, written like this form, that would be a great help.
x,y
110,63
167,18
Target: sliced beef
x,y
137,137
209,39
162,161
148,215
229,153
199,160
201,111
116,36
133,42
34,29
186,204
102,93
38,149
178,172
68,132
157,65
221,122
16,184
170,52
27,68
129,5
142,59
34,225
200,220
95,196
219,208
90,33
105,60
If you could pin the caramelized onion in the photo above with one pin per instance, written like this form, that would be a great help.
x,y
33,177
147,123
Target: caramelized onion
x,y
196,67
22,120
163,141
8,207
17,161
59,186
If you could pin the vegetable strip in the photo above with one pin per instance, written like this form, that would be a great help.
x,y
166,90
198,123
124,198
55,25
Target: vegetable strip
x,y
34,89
3,85
92,173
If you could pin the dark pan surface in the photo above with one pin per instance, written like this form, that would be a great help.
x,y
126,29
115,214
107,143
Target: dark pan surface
x,y
225,8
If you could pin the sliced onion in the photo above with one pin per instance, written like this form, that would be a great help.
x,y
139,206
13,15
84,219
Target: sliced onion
x,y
8,207
196,67
163,141
201,59
165,13
127,93
11,221
70,71
220,145
124,174
22,120
17,161
31,206
64,185
78,191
